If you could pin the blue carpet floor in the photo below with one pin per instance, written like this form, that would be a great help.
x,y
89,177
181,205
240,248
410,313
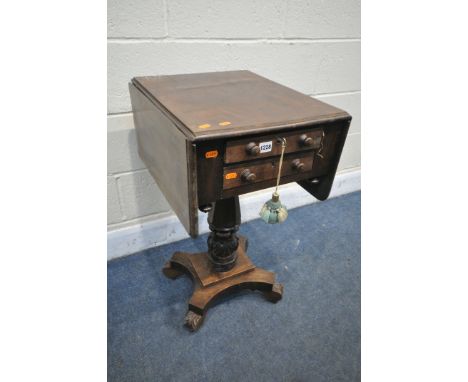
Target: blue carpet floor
x,y
312,334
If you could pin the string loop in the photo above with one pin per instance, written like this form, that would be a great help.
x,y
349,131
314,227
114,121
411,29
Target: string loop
x,y
283,147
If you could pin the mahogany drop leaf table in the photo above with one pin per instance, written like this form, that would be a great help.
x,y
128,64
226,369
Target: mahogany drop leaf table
x,y
206,139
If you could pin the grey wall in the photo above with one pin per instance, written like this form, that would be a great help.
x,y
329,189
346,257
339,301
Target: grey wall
x,y
310,45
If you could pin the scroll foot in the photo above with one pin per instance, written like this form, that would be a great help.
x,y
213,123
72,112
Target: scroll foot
x,y
193,321
170,271
275,294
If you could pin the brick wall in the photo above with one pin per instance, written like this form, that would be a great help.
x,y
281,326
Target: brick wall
x,y
312,46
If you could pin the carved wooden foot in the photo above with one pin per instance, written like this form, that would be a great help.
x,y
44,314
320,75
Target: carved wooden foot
x,y
275,294
193,320
171,272
209,285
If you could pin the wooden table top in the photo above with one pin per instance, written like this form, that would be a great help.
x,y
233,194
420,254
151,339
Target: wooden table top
x,y
235,103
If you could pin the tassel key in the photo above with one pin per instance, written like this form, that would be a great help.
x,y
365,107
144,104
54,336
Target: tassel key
x,y
274,211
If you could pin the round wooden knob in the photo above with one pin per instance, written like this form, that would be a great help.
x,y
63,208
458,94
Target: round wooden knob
x,y
252,148
298,165
248,176
305,140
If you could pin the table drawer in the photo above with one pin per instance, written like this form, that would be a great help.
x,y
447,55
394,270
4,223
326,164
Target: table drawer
x,y
267,146
259,171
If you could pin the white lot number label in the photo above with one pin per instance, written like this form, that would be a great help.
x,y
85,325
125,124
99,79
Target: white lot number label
x,y
265,147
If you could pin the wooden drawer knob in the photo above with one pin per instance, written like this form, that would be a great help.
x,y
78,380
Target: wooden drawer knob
x,y
248,176
252,148
305,140
297,165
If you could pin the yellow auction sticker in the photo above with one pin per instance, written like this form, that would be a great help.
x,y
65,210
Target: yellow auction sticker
x,y
225,123
231,175
204,126
211,154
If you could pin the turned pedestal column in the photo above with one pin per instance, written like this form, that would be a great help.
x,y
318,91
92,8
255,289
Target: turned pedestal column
x,y
224,268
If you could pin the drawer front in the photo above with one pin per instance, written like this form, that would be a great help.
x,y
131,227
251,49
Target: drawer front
x,y
267,146
259,171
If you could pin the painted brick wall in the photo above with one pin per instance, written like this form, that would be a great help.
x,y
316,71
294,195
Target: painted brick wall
x,y
310,45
